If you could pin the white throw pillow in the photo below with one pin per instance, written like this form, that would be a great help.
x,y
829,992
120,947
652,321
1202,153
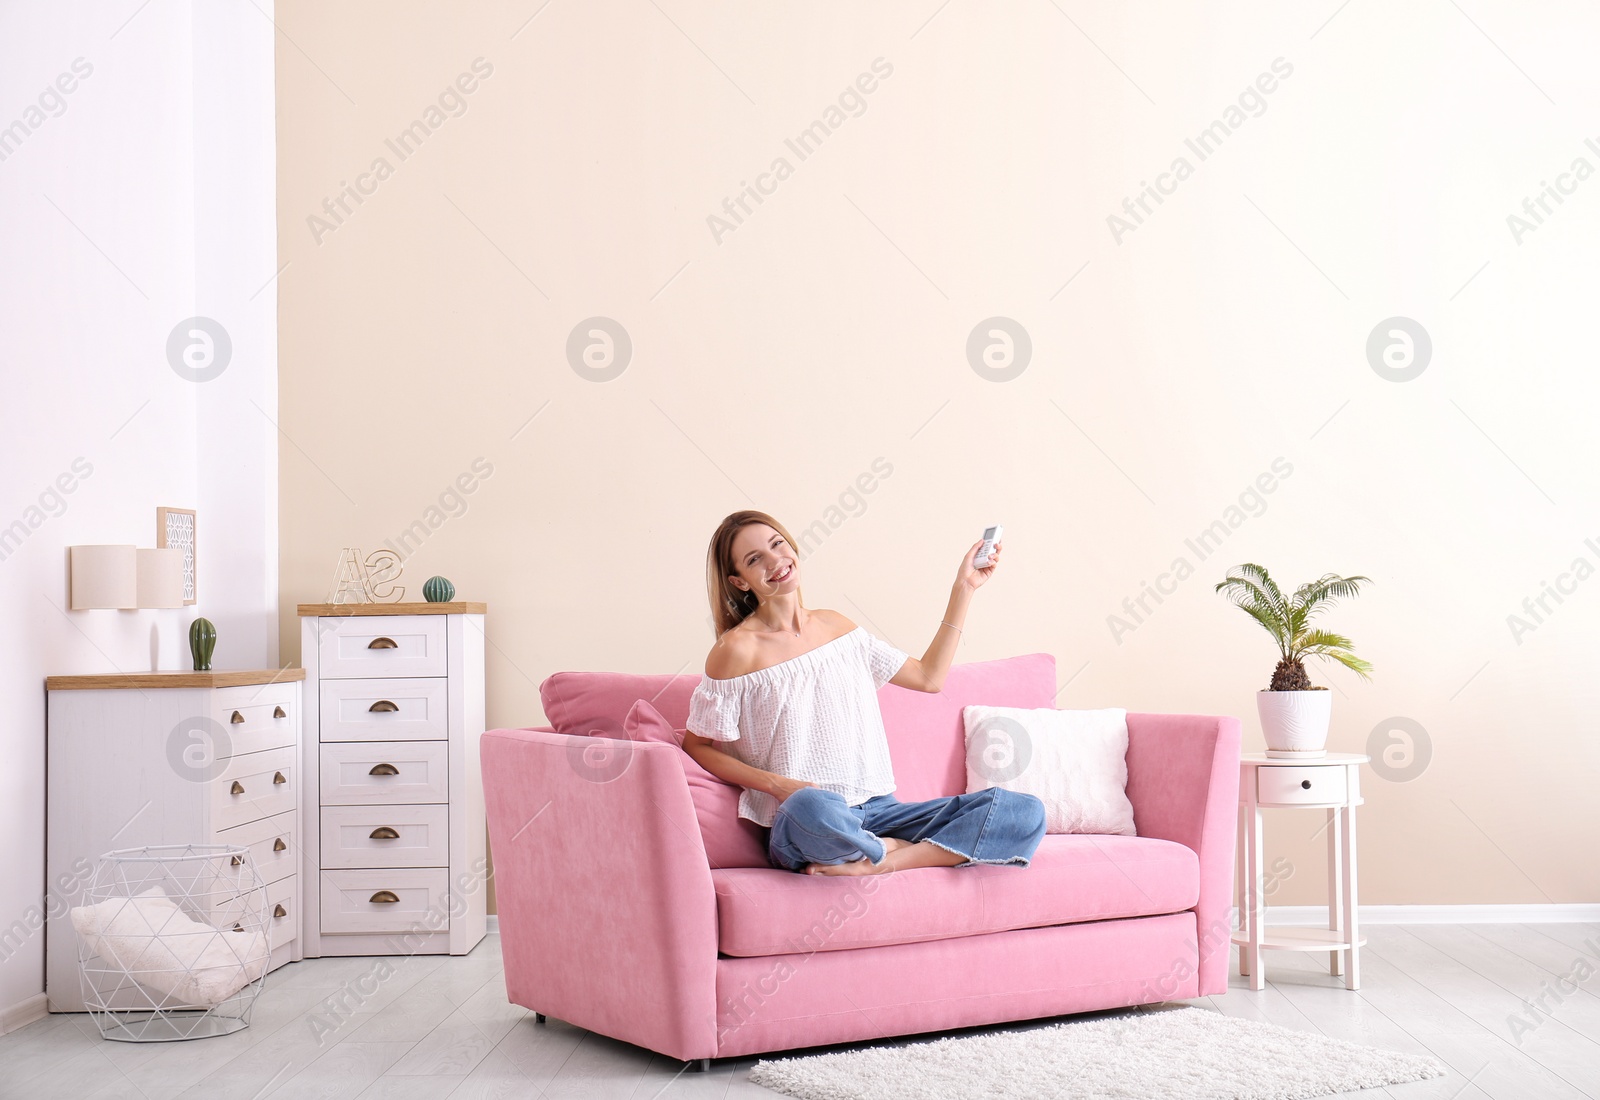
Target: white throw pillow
x,y
1075,761
161,948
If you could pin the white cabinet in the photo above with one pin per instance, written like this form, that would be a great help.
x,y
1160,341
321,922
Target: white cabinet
x,y
395,851
171,758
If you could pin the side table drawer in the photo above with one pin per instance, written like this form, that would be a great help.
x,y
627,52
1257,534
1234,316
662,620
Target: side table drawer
x,y
382,773
259,784
395,709
385,836
381,645
1301,785
357,901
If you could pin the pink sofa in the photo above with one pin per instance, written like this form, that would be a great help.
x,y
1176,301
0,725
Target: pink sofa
x,y
634,903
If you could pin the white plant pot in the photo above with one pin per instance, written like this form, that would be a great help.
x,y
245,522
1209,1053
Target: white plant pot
x,y
1295,722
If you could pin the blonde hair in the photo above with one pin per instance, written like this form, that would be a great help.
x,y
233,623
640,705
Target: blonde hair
x,y
731,606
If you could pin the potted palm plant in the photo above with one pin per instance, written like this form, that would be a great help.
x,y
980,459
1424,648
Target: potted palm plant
x,y
1295,712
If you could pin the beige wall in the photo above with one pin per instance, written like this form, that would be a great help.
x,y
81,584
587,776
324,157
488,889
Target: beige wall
x,y
1173,364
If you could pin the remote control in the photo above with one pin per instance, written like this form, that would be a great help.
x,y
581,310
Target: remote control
x,y
991,535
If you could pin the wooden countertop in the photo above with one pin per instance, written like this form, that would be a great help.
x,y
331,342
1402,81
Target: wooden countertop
x,y
174,678
454,607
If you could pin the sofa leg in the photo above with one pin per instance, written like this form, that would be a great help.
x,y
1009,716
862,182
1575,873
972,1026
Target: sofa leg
x,y
699,1065
538,1017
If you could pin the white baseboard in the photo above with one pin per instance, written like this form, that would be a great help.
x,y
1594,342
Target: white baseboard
x,y
1553,913
494,924
36,1007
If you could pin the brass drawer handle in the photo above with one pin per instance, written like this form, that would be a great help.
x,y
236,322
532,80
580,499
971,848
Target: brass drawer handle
x,y
383,832
279,846
382,706
382,643
279,911
384,897
237,788
236,719
277,777
279,712
384,769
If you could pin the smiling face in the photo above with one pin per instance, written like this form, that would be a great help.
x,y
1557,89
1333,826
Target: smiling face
x,y
764,562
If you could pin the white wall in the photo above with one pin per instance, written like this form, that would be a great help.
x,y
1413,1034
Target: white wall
x,y
144,198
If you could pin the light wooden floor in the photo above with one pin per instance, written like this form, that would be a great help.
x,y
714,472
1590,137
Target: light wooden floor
x,y
441,1027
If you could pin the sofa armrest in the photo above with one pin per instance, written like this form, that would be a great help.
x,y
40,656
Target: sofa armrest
x,y
606,906
1183,781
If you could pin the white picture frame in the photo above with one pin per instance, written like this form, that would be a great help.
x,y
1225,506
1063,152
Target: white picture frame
x,y
175,528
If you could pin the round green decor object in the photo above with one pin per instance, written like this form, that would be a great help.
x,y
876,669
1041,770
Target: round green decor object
x,y
438,590
202,643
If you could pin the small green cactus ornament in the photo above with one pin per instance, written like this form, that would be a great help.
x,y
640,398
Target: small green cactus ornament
x,y
202,643
438,590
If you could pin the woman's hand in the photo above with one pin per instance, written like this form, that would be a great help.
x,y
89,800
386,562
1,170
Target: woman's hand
x,y
969,575
782,787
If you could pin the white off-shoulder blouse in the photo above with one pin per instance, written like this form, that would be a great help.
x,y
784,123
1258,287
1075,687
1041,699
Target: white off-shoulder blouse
x,y
813,717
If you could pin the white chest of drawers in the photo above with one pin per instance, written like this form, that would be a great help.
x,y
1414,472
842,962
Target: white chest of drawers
x,y
170,758
395,853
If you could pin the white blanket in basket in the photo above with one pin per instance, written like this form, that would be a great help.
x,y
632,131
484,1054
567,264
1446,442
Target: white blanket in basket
x,y
164,950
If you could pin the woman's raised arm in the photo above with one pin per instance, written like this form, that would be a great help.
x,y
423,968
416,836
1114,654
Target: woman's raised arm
x,y
928,672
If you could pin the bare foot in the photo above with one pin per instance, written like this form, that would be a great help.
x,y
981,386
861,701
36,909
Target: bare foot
x,y
861,866
854,867
902,857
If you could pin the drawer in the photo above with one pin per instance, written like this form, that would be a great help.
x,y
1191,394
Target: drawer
x,y
380,645
401,709
257,716
283,912
385,836
1298,785
373,773
420,895
253,786
271,842
224,907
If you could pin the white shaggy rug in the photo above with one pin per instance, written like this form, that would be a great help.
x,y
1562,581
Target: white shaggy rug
x,y
1179,1052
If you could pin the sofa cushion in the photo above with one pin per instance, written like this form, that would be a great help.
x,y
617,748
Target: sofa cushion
x,y
1074,877
730,840
597,703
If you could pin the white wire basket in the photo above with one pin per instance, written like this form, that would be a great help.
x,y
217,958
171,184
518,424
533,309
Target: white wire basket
x,y
173,941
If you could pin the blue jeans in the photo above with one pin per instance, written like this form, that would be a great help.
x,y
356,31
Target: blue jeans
x,y
814,825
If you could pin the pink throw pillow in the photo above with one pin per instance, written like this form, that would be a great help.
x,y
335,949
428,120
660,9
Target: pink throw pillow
x,y
730,840
596,703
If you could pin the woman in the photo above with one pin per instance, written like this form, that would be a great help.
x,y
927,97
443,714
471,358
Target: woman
x,y
788,710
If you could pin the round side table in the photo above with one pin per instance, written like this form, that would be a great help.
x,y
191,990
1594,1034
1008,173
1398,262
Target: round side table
x,y
1331,783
